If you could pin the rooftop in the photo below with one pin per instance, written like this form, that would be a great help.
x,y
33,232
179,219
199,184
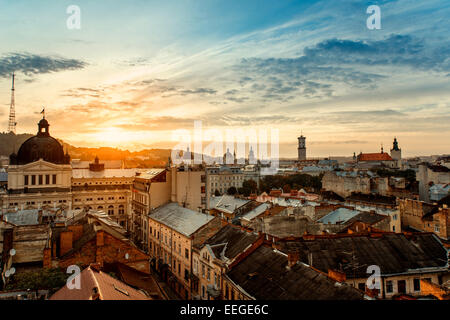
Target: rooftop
x,y
99,285
107,173
374,157
227,203
182,220
256,211
340,215
394,253
265,276
230,241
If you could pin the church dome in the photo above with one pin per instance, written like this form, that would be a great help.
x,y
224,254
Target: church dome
x,y
41,146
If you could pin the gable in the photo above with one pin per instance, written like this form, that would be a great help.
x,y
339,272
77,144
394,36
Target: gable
x,y
41,165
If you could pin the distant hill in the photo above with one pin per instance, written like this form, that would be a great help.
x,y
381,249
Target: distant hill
x,y
147,158
9,142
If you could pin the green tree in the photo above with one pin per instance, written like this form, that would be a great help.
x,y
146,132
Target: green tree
x,y
249,187
43,279
232,191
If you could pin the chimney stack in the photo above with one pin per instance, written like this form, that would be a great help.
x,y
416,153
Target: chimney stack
x,y
293,258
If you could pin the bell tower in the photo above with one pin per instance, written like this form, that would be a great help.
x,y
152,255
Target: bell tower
x,y
396,152
301,147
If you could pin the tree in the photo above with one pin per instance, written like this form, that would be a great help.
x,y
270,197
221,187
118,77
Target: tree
x,y
248,187
232,191
43,279
217,193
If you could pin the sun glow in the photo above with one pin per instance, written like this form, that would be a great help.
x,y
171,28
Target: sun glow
x,y
116,137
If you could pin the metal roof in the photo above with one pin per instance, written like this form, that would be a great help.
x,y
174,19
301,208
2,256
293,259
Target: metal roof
x,y
182,220
341,215
256,212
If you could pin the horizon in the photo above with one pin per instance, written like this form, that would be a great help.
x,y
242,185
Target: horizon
x,y
130,78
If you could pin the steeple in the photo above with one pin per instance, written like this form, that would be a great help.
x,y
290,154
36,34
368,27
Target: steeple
x,y
395,145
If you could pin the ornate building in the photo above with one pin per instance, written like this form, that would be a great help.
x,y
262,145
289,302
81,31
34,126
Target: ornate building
x,y
39,175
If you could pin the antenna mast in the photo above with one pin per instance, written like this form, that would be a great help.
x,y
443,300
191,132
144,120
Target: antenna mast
x,y
12,110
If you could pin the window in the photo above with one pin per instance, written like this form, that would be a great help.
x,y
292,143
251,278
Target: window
x,y
47,179
416,284
389,286
203,271
53,178
195,267
209,274
121,209
186,274
111,210
436,228
401,284
186,253
40,179
26,180
33,180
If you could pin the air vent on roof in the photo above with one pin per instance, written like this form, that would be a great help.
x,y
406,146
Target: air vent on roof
x,y
121,290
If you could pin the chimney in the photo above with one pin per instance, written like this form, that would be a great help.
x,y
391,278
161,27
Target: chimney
x,y
293,258
65,242
337,275
95,294
95,266
47,258
40,216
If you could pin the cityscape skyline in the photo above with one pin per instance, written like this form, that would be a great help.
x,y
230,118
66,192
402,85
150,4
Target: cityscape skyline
x,y
310,67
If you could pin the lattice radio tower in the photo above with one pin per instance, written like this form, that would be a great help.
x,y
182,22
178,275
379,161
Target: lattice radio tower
x,y
12,110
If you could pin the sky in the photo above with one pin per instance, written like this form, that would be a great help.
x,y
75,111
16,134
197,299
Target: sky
x,y
135,72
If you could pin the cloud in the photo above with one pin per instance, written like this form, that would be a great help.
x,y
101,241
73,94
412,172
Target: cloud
x,y
331,63
32,64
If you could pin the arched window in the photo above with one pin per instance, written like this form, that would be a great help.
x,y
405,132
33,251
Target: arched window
x,y
100,208
121,209
111,210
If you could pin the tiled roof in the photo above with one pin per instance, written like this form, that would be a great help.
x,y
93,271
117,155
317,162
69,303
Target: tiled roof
x,y
182,220
265,276
107,287
374,157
